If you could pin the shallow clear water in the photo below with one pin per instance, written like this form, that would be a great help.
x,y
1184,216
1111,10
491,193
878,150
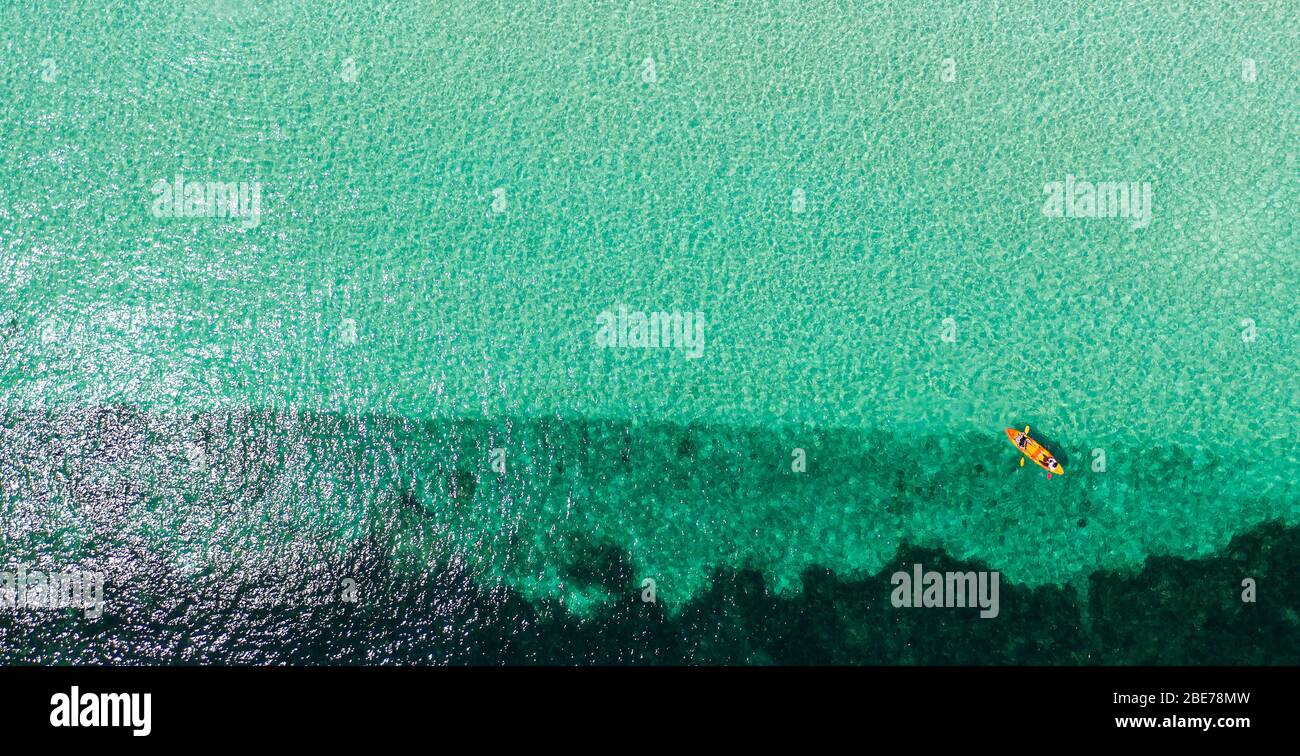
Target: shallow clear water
x,y
230,418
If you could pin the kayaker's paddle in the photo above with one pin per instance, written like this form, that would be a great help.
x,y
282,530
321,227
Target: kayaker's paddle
x,y
1034,451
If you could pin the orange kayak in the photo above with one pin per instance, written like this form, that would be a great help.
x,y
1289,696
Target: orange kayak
x,y
1035,451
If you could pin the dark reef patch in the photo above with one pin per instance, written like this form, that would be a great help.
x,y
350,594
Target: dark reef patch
x,y
1174,611
410,483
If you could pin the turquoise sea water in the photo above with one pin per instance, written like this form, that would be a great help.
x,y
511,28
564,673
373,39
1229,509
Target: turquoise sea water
x,y
230,421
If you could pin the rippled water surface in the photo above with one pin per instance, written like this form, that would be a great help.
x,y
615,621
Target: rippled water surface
x,y
376,424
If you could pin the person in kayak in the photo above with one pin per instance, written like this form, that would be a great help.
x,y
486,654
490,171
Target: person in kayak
x,y
1022,441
